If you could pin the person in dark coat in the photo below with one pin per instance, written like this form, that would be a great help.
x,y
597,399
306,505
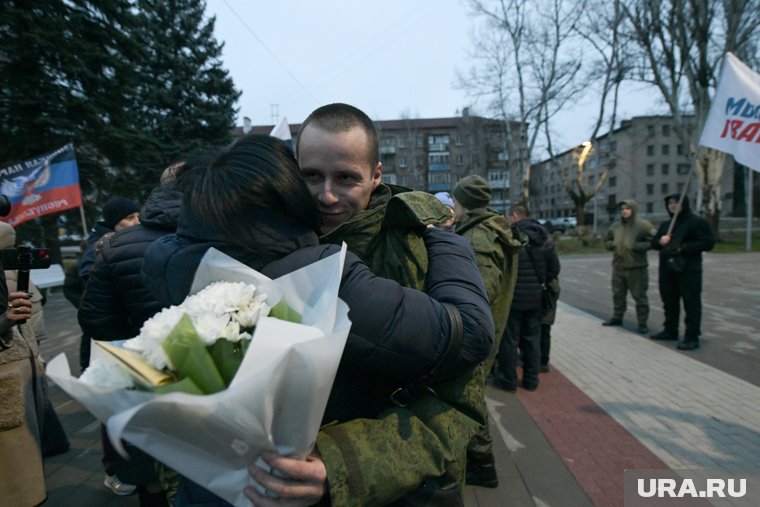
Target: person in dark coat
x,y
680,273
538,265
115,305
250,202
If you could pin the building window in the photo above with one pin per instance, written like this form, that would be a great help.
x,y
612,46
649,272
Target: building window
x,y
683,168
679,149
650,169
613,181
666,130
650,188
389,141
458,140
665,169
666,149
613,145
650,130
664,189
402,142
650,150
419,141
402,161
460,159
680,187
419,160
650,207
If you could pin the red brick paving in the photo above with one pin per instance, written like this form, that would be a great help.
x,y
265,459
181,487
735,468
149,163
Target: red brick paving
x,y
595,447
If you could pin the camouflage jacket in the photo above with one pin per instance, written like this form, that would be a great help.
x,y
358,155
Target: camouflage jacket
x,y
496,249
376,461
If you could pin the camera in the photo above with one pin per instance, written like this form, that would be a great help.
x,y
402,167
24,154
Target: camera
x,y
24,258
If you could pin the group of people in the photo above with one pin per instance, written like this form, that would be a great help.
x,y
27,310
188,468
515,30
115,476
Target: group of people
x,y
680,241
425,305
441,296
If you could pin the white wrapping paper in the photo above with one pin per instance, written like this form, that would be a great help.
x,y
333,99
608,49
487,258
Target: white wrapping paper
x,y
275,402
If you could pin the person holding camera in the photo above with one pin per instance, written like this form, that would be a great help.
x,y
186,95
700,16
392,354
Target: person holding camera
x,y
21,396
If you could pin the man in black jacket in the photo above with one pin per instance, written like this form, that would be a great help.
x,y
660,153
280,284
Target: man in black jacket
x,y
681,270
538,265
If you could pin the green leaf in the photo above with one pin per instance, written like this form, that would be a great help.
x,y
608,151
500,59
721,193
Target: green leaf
x,y
186,385
227,357
190,358
283,311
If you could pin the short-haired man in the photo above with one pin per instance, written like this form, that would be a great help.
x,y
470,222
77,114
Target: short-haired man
x,y
367,461
496,251
681,270
629,239
538,265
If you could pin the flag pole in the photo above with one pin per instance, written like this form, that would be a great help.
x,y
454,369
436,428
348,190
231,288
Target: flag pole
x,y
84,222
680,202
749,192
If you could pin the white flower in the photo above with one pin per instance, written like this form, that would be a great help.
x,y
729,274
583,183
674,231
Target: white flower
x,y
109,375
221,310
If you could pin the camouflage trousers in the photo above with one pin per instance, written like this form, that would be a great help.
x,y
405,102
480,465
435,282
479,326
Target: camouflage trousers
x,y
635,280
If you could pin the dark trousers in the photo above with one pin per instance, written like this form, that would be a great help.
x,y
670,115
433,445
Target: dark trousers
x,y
675,287
523,331
635,280
546,343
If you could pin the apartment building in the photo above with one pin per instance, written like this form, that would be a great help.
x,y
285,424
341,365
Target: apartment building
x,y
432,154
645,160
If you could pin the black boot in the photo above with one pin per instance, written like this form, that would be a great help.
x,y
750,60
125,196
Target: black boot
x,y
614,321
481,471
688,344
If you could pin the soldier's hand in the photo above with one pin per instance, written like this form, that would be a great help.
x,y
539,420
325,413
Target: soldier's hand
x,y
665,240
298,482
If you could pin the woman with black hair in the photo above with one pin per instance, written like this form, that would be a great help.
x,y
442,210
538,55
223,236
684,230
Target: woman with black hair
x,y
249,201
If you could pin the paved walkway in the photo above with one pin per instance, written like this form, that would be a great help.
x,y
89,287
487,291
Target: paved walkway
x,y
613,400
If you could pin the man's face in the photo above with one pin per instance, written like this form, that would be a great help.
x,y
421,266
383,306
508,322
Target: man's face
x,y
337,170
127,221
459,210
625,211
673,205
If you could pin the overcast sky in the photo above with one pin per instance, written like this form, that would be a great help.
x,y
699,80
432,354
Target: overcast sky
x,y
387,58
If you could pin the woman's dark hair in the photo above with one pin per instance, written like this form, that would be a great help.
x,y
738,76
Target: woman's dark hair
x,y
255,174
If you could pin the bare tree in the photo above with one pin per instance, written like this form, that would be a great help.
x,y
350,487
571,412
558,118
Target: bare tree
x,y
681,45
600,29
525,68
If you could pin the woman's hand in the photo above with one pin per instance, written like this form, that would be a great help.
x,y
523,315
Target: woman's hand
x,y
19,306
299,483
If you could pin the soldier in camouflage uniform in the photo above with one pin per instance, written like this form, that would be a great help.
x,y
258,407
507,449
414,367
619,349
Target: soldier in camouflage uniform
x,y
496,251
629,239
414,452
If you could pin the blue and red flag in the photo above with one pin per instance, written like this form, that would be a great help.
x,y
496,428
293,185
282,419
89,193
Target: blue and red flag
x,y
41,186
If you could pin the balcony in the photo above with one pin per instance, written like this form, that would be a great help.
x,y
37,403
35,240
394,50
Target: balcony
x,y
387,150
439,187
438,147
439,167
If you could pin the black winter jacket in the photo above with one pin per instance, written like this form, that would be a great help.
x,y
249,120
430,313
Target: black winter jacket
x,y
690,237
397,334
540,245
116,303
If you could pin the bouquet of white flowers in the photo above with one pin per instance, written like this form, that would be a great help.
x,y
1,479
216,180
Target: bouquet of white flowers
x,y
263,352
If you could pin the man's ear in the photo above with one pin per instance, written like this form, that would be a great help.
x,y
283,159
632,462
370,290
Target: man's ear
x,y
377,177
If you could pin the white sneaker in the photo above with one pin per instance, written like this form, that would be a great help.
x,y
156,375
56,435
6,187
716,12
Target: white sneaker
x,y
119,488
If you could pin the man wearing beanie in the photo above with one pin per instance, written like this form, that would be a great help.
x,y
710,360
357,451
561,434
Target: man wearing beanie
x,y
496,251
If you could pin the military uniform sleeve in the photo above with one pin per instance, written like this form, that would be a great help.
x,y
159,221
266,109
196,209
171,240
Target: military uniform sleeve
x,y
644,237
609,240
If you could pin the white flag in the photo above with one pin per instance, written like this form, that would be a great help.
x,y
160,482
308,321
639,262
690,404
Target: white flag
x,y
733,124
282,131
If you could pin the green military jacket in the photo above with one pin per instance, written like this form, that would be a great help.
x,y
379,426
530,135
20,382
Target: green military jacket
x,y
629,240
496,251
376,461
